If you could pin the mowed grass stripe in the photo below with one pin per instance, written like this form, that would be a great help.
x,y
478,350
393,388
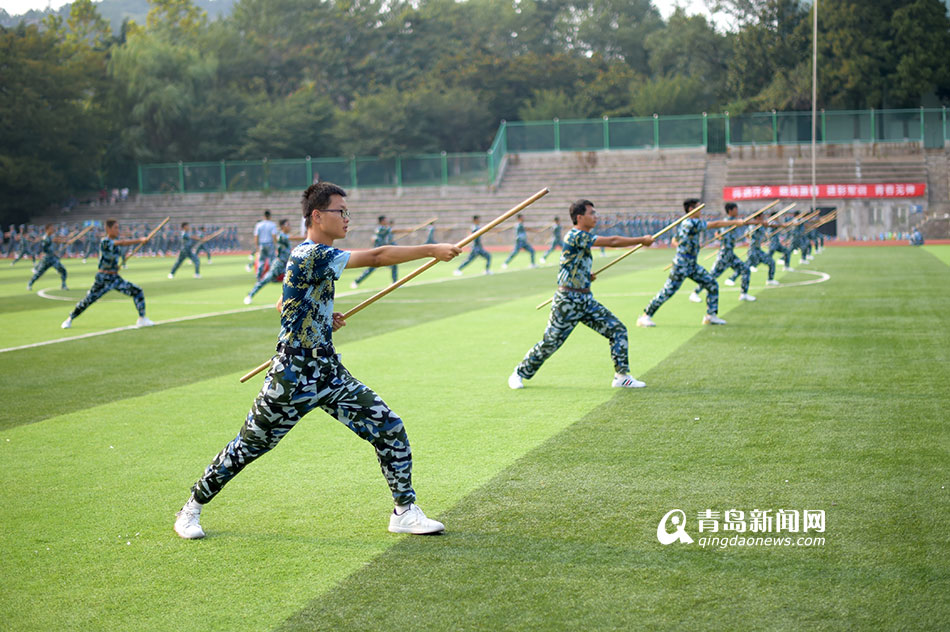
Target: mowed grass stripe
x,y
97,488
826,397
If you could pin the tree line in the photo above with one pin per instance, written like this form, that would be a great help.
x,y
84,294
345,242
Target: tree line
x,y
81,103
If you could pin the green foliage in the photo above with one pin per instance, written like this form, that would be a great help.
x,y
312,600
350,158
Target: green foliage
x,y
342,77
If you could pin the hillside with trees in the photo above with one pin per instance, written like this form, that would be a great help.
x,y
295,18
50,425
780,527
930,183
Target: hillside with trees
x,y
82,101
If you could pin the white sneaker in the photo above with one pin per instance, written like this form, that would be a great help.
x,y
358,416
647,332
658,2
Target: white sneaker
x,y
457,273
753,268
247,300
143,321
746,297
188,523
695,298
543,259
712,319
515,381
197,276
771,282
533,266
414,521
354,285
487,272
789,269
171,276
67,323
29,287
504,266
645,321
729,282
626,381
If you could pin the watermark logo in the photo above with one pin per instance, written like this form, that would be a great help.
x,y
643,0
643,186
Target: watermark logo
x,y
679,521
735,527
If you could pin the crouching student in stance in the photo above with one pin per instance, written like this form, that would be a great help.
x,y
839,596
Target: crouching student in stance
x,y
573,302
306,372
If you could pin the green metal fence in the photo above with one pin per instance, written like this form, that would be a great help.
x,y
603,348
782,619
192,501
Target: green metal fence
x,y
715,132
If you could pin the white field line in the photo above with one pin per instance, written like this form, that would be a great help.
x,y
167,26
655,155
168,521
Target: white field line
x,y
822,277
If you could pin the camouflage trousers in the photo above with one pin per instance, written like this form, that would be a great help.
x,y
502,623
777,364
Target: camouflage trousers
x,y
786,253
687,269
557,243
294,386
477,251
46,264
730,260
274,272
187,255
519,246
106,282
369,271
568,309
265,254
757,256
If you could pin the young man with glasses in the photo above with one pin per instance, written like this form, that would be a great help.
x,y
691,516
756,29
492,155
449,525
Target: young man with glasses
x,y
307,373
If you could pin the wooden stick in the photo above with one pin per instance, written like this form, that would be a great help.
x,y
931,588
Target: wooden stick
x,y
472,237
73,239
150,235
407,231
635,248
211,236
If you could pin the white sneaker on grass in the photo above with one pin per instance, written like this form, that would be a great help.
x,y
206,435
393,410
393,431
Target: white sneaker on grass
x,y
543,259
188,522
696,298
771,282
729,282
626,381
143,321
746,297
354,285
171,276
752,268
712,319
67,323
197,276
247,300
645,321
414,521
515,381
457,272
504,266
789,269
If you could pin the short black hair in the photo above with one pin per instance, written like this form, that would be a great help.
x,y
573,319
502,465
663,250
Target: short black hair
x,y
111,222
282,222
267,213
579,208
317,196
184,225
381,219
690,204
731,205
474,218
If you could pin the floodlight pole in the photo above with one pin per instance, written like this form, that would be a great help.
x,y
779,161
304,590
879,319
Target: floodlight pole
x,y
814,99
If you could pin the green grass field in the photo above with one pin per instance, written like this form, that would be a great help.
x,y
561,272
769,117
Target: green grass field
x,y
829,393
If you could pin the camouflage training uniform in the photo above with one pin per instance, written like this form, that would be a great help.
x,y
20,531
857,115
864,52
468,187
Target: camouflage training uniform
x,y
521,243
186,253
277,264
800,241
776,245
756,254
685,266
305,374
107,278
556,241
430,235
382,237
477,251
50,260
729,259
573,303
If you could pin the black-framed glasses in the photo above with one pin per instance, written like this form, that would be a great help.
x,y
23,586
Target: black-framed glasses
x,y
344,213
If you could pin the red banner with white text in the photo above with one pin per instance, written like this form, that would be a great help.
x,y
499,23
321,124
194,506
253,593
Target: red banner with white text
x,y
825,191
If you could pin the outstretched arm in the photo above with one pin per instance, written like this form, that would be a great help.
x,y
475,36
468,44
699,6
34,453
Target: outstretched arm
x,y
616,241
392,255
